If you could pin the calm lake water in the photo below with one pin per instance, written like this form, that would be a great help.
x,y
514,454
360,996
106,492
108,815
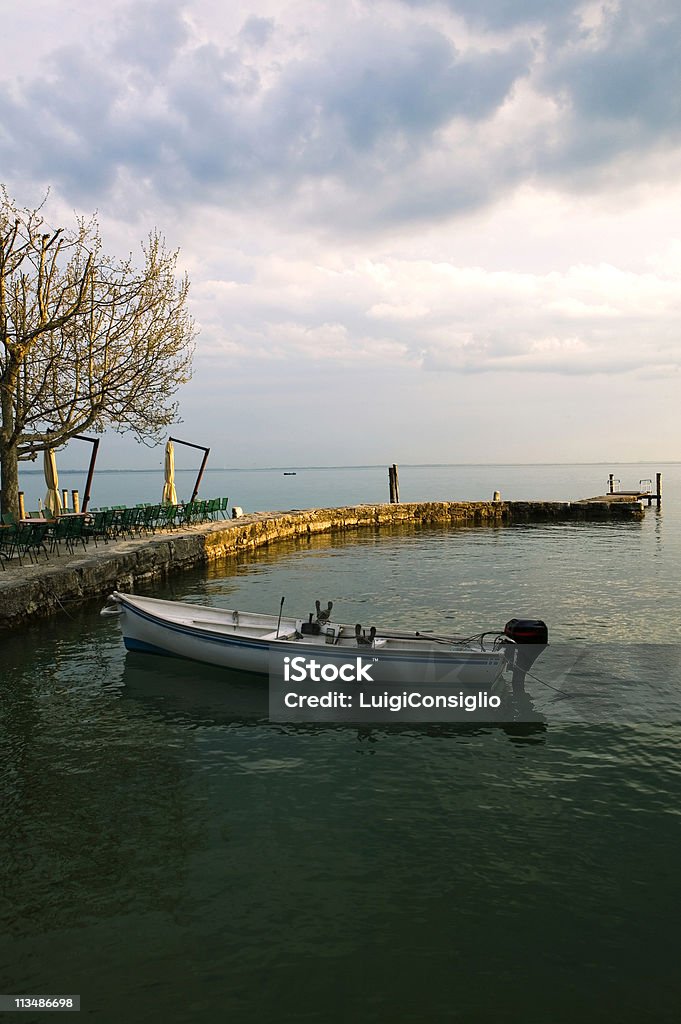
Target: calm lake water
x,y
171,855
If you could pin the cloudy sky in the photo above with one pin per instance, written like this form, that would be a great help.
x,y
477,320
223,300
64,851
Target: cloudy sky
x,y
417,230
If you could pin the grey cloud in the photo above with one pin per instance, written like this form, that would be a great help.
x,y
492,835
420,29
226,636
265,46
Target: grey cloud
x,y
257,31
413,85
325,115
634,74
201,118
150,33
346,130
621,93
49,130
506,14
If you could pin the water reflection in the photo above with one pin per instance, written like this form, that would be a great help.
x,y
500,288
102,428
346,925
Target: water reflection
x,y
201,696
196,694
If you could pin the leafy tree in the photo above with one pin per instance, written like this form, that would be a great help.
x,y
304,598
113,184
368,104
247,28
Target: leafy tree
x,y
86,341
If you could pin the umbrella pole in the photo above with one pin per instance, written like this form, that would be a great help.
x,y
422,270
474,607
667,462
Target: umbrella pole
x,y
94,441
201,469
206,452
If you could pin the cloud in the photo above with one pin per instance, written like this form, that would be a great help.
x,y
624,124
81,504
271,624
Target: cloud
x,y
389,114
617,83
505,14
257,31
149,35
415,191
589,319
242,117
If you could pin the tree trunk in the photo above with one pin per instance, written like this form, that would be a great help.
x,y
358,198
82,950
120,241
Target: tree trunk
x,y
9,479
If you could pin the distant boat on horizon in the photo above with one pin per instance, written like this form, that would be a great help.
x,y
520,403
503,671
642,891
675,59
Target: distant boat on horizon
x,y
290,473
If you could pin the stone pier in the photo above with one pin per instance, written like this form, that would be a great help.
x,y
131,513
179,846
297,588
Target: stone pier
x,y
31,591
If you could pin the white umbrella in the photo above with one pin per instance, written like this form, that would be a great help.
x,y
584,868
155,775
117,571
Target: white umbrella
x,y
52,498
169,492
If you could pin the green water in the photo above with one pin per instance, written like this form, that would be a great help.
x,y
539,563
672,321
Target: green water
x,y
171,855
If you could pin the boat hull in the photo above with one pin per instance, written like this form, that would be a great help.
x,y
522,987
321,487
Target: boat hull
x,y
230,640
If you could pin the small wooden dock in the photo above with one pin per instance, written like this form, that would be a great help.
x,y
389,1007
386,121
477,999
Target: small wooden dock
x,y
646,491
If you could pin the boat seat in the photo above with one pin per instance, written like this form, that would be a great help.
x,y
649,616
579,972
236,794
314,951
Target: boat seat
x,y
277,636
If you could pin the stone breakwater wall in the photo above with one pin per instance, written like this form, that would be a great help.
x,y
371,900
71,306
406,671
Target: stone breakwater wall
x,y
34,591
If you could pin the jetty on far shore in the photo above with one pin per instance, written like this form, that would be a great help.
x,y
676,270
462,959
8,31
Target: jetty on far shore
x,y
645,491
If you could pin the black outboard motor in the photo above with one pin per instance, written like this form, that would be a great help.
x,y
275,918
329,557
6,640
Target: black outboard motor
x,y
531,637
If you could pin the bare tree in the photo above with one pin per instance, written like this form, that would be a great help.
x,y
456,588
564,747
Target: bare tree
x,y
86,341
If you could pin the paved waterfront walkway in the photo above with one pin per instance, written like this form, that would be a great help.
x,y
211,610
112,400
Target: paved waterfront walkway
x,y
34,589
91,555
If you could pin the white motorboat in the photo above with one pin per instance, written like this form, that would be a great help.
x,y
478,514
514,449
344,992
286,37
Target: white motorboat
x,y
269,644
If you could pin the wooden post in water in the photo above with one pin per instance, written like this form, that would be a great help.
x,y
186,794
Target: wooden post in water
x,y
394,484
75,498
611,483
658,489
64,499
22,507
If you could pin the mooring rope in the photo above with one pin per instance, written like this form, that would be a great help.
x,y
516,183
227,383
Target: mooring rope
x,y
556,689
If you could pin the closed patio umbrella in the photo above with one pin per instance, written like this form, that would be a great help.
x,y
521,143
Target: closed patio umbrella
x,y
52,498
169,492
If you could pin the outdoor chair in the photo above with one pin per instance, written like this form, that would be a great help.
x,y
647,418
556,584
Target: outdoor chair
x,y
139,520
74,533
95,526
193,511
150,518
36,542
28,539
127,522
15,544
167,519
57,533
7,534
111,521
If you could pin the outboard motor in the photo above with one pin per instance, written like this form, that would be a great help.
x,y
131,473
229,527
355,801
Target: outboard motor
x,y
531,637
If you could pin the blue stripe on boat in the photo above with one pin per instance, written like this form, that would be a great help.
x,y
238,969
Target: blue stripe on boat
x,y
141,645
